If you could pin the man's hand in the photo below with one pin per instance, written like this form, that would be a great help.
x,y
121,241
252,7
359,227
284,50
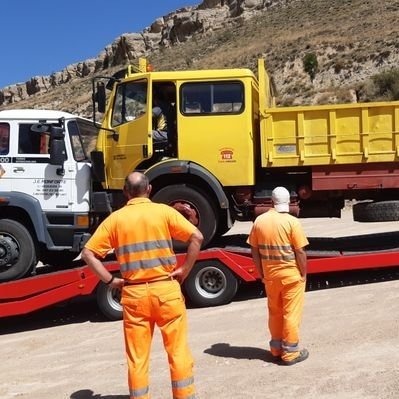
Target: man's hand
x,y
117,283
194,246
99,270
301,259
181,273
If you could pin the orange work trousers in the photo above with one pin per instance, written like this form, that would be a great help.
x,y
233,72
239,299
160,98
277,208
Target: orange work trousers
x,y
285,301
144,306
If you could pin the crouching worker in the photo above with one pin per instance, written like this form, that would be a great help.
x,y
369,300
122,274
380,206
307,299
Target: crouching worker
x,y
141,234
277,245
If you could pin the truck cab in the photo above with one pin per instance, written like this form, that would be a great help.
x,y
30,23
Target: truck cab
x,y
45,180
212,125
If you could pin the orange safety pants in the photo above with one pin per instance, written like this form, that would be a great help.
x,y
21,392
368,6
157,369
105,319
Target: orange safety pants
x,y
285,302
145,305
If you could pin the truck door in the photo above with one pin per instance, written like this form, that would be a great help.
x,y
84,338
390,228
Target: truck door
x,y
32,174
131,119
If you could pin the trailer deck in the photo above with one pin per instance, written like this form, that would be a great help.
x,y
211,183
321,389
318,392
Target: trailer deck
x,y
214,267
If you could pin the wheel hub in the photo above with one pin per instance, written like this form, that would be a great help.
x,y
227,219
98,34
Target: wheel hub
x,y
188,211
211,283
114,298
8,251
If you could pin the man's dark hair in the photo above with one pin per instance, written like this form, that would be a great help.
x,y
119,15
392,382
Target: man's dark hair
x,y
136,186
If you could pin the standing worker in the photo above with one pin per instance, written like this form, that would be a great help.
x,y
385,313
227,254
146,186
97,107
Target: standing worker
x,y
141,234
277,245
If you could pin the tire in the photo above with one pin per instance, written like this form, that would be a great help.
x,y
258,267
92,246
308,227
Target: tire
x,y
58,258
17,250
108,301
210,284
383,211
193,204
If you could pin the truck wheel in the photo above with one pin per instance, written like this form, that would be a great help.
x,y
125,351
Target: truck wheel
x,y
17,250
383,211
194,205
210,284
108,301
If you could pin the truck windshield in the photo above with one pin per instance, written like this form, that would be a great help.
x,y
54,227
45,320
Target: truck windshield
x,y
78,149
130,102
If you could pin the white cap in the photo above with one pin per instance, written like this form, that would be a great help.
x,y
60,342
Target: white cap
x,y
281,199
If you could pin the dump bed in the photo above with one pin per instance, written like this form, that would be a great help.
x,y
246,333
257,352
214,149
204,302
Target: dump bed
x,y
327,134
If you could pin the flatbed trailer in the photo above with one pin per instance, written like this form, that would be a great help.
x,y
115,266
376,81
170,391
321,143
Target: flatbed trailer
x,y
214,279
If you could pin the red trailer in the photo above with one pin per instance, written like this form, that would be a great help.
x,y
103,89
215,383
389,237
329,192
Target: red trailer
x,y
213,281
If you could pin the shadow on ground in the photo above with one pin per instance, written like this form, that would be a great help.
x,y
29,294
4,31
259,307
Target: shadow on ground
x,y
89,394
240,352
78,310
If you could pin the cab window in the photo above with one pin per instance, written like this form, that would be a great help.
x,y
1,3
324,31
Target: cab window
x,y
30,142
212,98
78,150
130,102
4,138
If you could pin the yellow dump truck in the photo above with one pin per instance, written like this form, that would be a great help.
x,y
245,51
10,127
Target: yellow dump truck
x,y
228,146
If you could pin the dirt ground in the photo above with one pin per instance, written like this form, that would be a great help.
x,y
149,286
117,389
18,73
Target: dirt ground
x,y
350,327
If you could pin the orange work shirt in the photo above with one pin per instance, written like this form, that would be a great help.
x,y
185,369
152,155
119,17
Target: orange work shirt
x,y
141,234
276,235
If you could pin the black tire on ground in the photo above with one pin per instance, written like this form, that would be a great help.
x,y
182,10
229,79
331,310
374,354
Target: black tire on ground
x,y
210,283
17,250
108,301
58,258
383,211
196,200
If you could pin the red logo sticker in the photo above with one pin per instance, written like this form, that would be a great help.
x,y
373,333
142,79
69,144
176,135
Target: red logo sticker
x,y
226,155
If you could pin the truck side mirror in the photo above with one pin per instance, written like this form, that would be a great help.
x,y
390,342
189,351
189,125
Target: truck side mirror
x,y
100,96
57,148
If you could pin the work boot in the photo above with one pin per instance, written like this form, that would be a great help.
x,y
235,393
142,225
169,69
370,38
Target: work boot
x,y
303,355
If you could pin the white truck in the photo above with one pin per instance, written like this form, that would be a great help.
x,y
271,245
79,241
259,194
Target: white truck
x,y
45,189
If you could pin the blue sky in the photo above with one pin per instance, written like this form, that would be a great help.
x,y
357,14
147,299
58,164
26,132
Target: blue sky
x,y
40,37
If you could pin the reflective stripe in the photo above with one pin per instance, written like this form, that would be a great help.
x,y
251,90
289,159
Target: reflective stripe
x,y
185,397
287,247
143,246
136,393
290,347
278,257
148,263
275,343
183,383
277,252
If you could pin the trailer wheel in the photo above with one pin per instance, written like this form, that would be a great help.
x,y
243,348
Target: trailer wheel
x,y
383,211
194,205
108,301
17,250
210,283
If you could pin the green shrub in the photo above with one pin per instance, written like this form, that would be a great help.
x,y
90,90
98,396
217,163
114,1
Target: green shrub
x,y
310,65
386,84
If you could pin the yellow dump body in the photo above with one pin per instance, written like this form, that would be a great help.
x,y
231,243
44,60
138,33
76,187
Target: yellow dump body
x,y
330,134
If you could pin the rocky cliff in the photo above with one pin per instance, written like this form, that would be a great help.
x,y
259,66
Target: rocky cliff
x,y
169,30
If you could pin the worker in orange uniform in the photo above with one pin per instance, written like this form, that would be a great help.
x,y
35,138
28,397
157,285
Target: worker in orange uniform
x,y
277,245
141,234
